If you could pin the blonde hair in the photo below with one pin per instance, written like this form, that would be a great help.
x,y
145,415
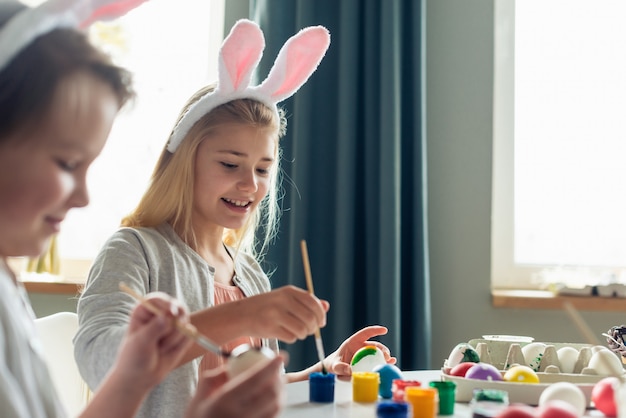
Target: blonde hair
x,y
169,197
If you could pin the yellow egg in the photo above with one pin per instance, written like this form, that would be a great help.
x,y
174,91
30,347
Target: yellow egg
x,y
521,374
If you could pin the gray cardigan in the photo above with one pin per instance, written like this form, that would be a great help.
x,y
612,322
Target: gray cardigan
x,y
148,260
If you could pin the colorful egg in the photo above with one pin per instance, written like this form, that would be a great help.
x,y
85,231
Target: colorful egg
x,y
388,373
521,374
461,369
603,395
366,358
462,353
565,391
484,371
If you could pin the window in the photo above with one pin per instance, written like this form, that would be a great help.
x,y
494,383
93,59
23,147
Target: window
x,y
559,201
171,48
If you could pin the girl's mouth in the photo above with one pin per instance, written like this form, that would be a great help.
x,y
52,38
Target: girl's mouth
x,y
237,203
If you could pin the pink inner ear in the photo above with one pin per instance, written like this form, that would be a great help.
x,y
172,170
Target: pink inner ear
x,y
301,60
241,51
111,11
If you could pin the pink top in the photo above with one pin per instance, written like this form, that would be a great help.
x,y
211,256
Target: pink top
x,y
225,293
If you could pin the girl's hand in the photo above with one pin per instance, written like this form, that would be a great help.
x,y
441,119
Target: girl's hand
x,y
153,346
287,313
258,392
338,362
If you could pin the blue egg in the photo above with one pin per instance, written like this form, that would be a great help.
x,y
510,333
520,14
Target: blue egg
x,y
387,373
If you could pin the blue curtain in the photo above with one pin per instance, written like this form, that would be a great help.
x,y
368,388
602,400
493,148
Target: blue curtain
x,y
354,165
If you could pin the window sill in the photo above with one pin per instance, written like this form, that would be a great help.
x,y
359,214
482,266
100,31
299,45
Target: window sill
x,y
541,299
52,287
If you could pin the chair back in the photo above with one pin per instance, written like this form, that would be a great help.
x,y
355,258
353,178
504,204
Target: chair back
x,y
56,332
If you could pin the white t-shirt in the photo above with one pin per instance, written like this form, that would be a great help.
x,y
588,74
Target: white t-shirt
x,y
26,388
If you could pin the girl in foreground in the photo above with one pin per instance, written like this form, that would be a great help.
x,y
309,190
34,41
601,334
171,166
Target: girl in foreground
x,y
58,99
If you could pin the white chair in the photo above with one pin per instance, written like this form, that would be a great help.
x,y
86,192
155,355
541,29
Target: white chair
x,y
56,332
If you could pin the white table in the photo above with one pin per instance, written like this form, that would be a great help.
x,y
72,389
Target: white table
x,y
298,405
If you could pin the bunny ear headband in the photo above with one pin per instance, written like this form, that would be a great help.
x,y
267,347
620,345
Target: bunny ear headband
x,y
30,23
239,56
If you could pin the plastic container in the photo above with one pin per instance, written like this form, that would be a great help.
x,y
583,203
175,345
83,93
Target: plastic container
x,y
398,386
365,386
447,391
424,401
321,387
392,409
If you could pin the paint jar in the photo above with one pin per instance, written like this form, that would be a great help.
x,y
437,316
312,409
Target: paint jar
x,y
424,401
398,386
321,387
365,386
392,409
488,403
447,392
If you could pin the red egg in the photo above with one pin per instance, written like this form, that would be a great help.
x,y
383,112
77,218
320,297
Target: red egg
x,y
483,371
557,409
517,411
461,368
603,395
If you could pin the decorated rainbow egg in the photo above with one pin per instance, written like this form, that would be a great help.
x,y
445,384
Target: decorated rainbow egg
x,y
367,358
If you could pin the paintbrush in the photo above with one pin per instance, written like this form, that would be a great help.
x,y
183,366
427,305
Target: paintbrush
x,y
309,285
187,329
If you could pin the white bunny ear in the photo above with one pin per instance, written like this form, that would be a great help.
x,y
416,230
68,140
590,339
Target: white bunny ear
x,y
239,56
295,63
30,23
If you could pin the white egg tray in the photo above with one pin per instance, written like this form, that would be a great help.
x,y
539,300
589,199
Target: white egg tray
x,y
504,352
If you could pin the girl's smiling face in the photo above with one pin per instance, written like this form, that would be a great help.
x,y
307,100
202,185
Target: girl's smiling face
x,y
43,169
232,174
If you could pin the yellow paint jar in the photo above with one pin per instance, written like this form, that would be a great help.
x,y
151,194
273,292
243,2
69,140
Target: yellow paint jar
x,y
365,386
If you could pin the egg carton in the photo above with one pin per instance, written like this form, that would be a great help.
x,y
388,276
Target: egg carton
x,y
504,354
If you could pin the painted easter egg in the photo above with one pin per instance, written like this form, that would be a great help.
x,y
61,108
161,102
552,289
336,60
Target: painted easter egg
x,y
388,373
461,369
533,353
521,374
557,409
484,371
565,391
366,358
462,353
603,395
244,356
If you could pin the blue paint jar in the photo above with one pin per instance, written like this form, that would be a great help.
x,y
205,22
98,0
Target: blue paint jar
x,y
392,409
321,387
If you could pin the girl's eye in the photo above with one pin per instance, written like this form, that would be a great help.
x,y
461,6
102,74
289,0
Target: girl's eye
x,y
229,165
263,171
66,165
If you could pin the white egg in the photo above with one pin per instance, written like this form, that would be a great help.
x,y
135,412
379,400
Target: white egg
x,y
606,363
533,353
567,358
244,356
565,391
